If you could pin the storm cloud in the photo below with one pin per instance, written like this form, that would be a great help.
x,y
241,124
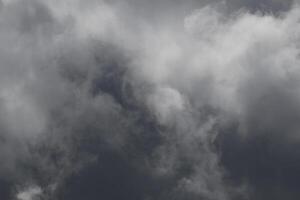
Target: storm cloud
x,y
149,100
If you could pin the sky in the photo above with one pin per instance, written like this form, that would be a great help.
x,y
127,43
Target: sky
x,y
149,99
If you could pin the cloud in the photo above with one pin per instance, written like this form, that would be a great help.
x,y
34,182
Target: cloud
x,y
29,194
149,100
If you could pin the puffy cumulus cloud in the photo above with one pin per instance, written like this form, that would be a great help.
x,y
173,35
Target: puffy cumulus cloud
x,y
149,100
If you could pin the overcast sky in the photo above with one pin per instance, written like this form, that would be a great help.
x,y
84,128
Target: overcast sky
x,y
149,99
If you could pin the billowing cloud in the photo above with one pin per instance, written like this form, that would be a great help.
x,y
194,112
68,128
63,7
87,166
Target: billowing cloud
x,y
149,99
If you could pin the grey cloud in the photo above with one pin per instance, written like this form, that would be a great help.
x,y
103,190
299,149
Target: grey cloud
x,y
149,100
265,6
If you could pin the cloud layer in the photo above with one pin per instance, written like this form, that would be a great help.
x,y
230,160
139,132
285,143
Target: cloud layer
x,y
149,100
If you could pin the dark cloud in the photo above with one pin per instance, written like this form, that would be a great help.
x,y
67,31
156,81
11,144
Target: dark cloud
x,y
264,6
267,163
149,100
266,156
5,189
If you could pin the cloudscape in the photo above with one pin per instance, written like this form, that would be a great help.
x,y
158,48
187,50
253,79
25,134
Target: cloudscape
x,y
149,99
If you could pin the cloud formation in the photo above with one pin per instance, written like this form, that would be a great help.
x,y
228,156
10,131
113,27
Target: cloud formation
x,y
149,99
